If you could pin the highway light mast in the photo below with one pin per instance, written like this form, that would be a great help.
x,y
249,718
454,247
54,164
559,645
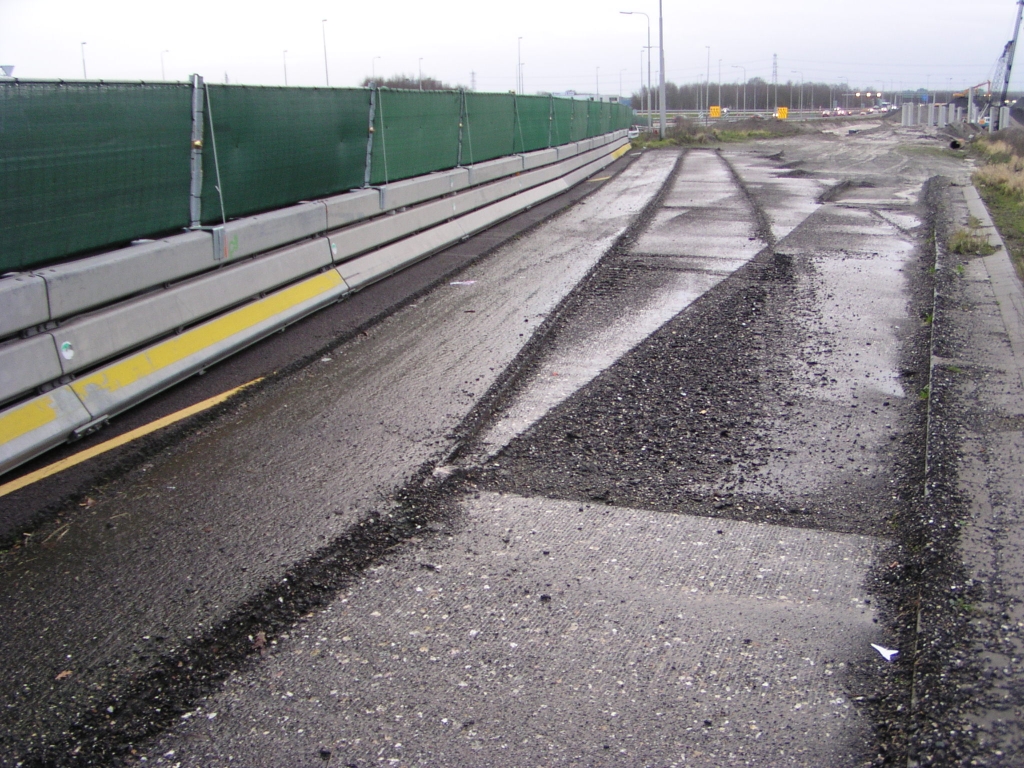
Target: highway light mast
x,y
661,75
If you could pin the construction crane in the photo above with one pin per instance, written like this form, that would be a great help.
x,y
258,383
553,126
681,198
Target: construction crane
x,y
1001,81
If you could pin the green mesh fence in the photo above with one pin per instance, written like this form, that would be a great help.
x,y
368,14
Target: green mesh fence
x,y
89,165
276,146
415,132
533,125
561,125
489,129
578,126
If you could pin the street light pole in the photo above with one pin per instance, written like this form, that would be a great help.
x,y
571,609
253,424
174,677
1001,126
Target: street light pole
x,y
737,66
519,66
84,75
163,75
661,74
597,80
323,30
284,57
642,88
707,88
421,72
798,72
719,82
649,95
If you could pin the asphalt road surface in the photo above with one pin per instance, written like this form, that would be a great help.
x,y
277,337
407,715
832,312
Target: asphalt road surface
x,y
641,485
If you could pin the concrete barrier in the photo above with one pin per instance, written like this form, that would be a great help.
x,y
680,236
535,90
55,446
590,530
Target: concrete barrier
x,y
79,286
352,206
98,336
567,150
79,346
126,382
481,173
24,302
401,194
26,364
35,426
533,160
256,234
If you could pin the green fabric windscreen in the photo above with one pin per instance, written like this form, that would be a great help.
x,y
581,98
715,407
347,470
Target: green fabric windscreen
x,y
415,132
85,166
276,146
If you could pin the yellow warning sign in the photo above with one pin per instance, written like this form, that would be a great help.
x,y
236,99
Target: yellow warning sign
x,y
715,112
782,113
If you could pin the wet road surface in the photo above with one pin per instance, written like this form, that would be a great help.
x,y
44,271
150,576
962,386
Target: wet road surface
x,y
623,491
475,666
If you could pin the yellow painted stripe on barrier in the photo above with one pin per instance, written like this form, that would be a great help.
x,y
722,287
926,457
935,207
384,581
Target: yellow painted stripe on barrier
x,y
126,372
117,442
621,151
23,419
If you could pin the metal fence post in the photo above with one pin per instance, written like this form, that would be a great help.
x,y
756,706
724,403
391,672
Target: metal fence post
x,y
551,117
195,195
462,120
369,136
515,121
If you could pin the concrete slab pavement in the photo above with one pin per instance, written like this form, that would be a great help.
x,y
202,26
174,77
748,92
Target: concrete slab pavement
x,y
541,632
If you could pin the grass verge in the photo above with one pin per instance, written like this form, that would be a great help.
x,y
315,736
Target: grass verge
x,y
1001,185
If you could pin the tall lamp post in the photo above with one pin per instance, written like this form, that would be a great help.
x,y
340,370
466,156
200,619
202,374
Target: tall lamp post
x,y
163,75
737,66
84,75
284,58
421,72
661,74
707,88
641,13
648,86
519,66
323,30
798,72
719,82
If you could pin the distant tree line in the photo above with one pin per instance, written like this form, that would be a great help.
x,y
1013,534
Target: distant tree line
x,y
762,96
410,82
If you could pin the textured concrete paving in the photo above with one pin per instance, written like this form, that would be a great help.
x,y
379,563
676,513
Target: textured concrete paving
x,y
538,632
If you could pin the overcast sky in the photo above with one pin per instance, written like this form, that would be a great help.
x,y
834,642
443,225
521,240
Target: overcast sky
x,y
581,44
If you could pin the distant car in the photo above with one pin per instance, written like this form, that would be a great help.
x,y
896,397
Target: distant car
x,y
633,133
